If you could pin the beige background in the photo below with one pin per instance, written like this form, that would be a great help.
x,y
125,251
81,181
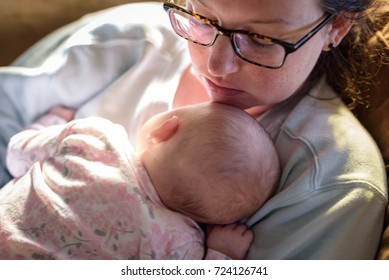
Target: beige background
x,y
23,22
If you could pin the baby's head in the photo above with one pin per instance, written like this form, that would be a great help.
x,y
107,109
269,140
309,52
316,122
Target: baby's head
x,y
212,162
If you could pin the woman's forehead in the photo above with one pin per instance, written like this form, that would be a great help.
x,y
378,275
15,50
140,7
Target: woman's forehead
x,y
288,12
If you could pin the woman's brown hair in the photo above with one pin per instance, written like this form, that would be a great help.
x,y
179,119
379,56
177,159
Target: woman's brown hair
x,y
350,67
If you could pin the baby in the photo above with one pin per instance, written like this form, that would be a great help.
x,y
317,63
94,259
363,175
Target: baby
x,y
81,193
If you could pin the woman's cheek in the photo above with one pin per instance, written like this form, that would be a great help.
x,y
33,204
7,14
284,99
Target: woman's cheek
x,y
199,57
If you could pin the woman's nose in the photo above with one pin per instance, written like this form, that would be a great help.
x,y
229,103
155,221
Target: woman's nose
x,y
222,58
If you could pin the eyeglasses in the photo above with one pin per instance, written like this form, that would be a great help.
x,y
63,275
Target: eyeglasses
x,y
254,48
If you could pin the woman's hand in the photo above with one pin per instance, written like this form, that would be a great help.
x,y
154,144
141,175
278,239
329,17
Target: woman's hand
x,y
232,240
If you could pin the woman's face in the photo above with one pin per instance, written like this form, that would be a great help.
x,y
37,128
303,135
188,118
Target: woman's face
x,y
229,79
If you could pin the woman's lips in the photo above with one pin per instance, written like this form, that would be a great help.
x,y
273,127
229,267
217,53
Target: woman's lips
x,y
217,91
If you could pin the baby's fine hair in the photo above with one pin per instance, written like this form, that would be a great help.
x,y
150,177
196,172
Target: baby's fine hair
x,y
232,154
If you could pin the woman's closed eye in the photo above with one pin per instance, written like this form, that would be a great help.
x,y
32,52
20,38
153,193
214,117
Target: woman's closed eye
x,y
256,42
253,45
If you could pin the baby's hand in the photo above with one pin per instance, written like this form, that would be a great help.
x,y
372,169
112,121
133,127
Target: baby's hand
x,y
232,240
63,112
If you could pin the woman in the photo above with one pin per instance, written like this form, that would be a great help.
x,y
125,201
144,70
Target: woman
x,y
332,194
295,79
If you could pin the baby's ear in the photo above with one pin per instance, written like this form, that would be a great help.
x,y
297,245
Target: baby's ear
x,y
163,133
